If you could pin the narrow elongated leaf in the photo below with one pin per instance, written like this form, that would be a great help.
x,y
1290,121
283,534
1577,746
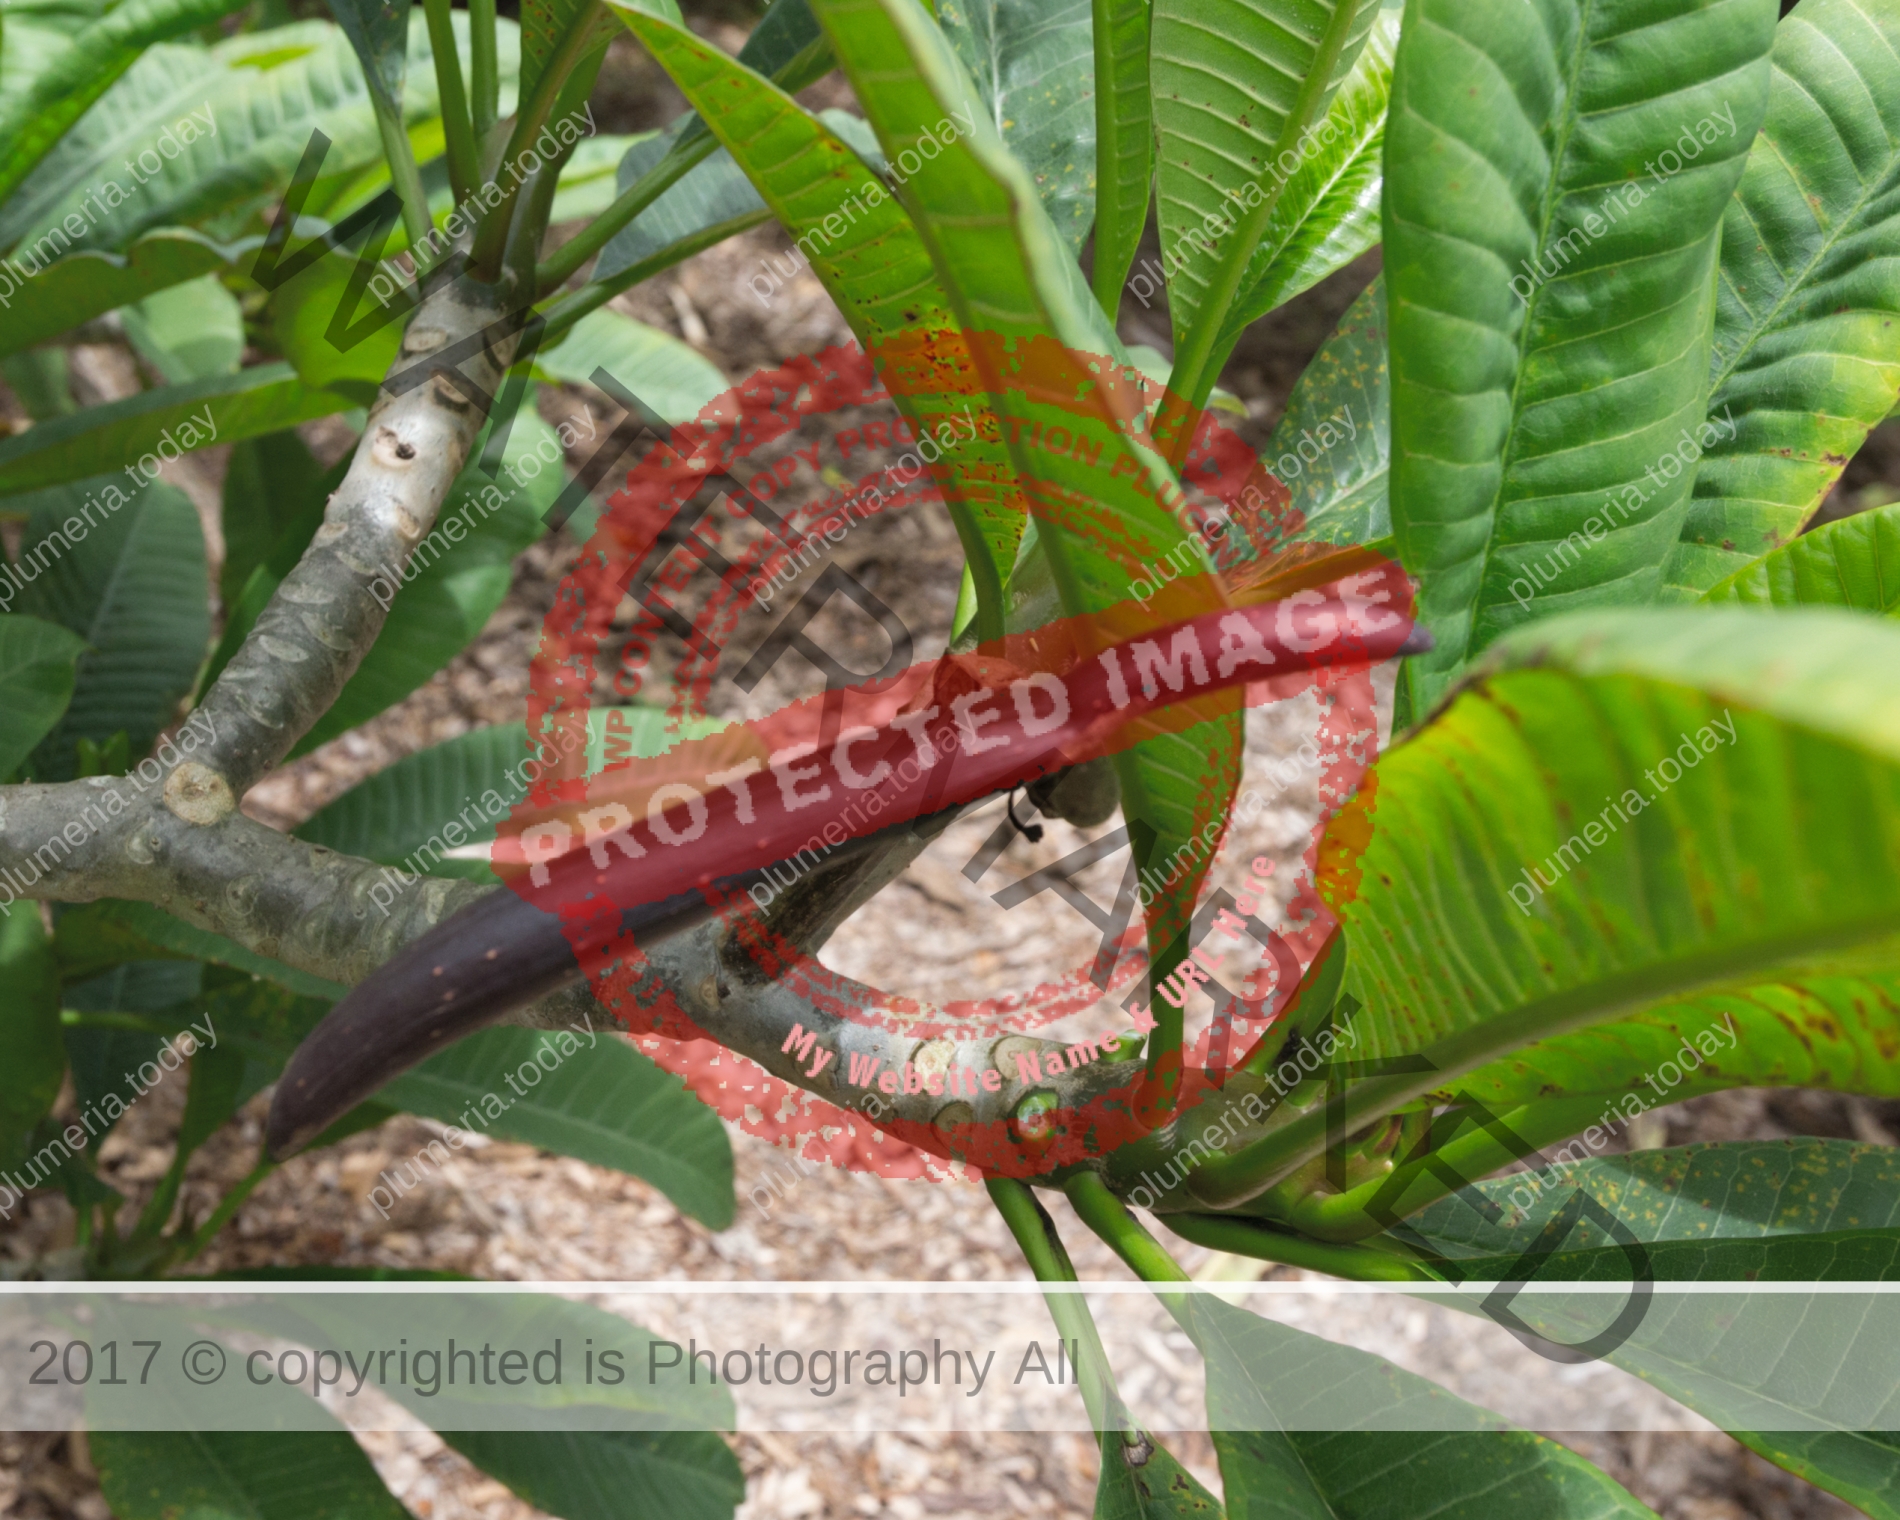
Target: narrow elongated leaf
x,y
603,1102
1805,362
30,1048
1332,448
311,79
1329,212
587,185
100,934
1549,296
605,1475
1237,84
715,193
1310,1430
1708,798
70,81
1010,279
240,1475
544,23
106,1060
861,245
1033,65
1124,143
174,419
263,91
379,33
665,373
36,683
133,586
1853,562
88,284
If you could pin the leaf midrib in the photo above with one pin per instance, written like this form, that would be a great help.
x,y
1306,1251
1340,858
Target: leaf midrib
x,y
1552,199
1373,132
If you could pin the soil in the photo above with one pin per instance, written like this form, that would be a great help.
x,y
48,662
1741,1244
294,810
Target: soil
x,y
511,1212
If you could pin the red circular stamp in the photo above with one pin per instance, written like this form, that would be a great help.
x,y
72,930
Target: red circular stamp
x,y
1202,601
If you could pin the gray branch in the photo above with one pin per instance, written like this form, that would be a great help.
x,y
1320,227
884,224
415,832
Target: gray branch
x,y
180,842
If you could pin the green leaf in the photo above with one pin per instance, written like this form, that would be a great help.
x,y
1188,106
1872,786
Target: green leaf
x,y
106,1057
270,482
1338,484
870,258
1329,212
1156,365
1009,278
36,683
587,186
64,18
545,22
133,586
402,813
102,934
1812,1030
1853,562
1033,64
609,1474
379,34
1550,298
30,1048
1160,1488
1862,1466
262,1021
668,375
1773,856
713,194
262,399
415,813
1310,1430
1237,84
1745,1192
294,520
88,284
188,332
67,83
41,379
1798,1210
453,581
265,91
302,311
32,44
240,1475
1805,362
787,48
604,1103
1124,143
